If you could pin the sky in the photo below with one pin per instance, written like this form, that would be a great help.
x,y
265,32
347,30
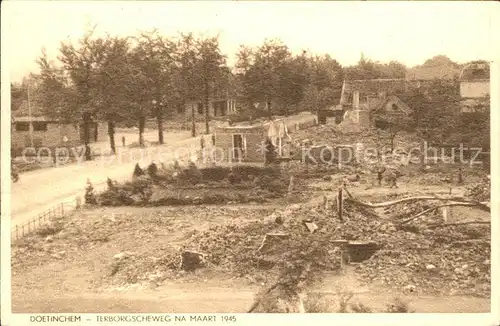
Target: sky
x,y
409,32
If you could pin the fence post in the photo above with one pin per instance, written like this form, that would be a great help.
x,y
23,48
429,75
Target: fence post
x,y
340,205
62,208
17,231
29,226
290,185
22,225
39,220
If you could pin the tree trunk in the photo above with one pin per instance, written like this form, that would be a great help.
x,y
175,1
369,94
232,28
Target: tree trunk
x,y
159,119
86,136
142,123
96,131
111,133
207,109
193,122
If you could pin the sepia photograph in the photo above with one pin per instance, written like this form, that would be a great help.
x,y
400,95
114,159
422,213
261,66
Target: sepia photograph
x,y
244,157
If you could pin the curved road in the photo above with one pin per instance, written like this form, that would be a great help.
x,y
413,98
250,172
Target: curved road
x,y
40,190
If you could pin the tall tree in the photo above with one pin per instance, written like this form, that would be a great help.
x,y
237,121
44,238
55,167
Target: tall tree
x,y
158,66
368,69
211,63
18,94
188,77
434,109
440,60
265,78
54,93
324,83
80,63
111,76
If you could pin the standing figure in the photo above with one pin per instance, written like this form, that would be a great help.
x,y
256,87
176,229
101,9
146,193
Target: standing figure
x,y
460,176
270,151
153,170
380,173
123,141
393,177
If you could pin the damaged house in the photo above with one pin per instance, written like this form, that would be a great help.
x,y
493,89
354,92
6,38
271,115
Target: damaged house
x,y
362,99
246,142
475,86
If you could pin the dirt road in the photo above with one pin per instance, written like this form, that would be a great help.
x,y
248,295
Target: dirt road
x,y
186,299
218,297
40,190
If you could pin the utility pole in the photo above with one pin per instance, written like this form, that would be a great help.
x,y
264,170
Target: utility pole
x,y
193,126
207,105
29,116
142,125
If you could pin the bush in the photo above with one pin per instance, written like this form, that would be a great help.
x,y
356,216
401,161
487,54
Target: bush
x,y
216,173
359,307
90,197
142,186
214,199
191,175
398,305
247,172
49,229
172,201
137,171
317,303
122,195
116,197
277,186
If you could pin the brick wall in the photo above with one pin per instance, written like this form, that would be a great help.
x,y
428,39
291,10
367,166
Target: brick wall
x,y
53,136
224,142
474,89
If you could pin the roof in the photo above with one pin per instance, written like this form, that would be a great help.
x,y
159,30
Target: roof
x,y
402,105
250,127
39,119
336,107
33,119
432,72
371,87
475,71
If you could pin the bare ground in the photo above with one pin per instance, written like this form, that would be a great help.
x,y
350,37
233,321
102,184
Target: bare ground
x,y
70,272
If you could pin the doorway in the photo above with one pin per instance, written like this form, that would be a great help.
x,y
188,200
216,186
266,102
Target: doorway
x,y
238,146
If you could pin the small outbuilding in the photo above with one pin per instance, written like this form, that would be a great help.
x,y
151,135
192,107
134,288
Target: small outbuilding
x,y
246,143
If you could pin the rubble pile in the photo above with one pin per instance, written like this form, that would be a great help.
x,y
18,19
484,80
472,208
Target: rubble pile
x,y
412,256
262,250
332,134
480,191
450,260
404,211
